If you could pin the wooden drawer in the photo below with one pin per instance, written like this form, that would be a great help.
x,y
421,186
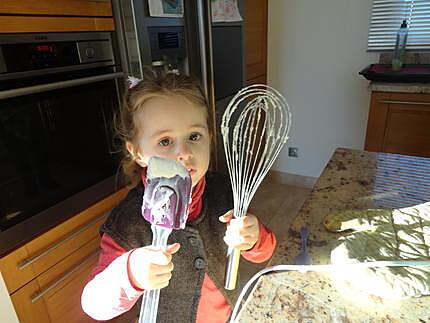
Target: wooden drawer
x,y
86,8
36,24
55,295
40,254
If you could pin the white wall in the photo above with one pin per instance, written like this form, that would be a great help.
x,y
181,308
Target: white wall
x,y
7,312
315,50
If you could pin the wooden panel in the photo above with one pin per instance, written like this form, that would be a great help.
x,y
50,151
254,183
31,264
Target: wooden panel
x,y
25,310
39,245
57,7
399,123
412,97
376,122
27,24
256,38
13,277
63,302
63,284
62,236
258,80
408,130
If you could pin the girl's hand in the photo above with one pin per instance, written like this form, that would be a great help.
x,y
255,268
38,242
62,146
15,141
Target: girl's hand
x,y
150,268
242,233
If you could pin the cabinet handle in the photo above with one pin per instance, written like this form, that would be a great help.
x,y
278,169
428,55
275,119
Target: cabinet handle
x,y
404,102
28,262
6,94
42,292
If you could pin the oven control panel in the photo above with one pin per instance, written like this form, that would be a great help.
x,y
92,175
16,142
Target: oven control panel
x,y
41,53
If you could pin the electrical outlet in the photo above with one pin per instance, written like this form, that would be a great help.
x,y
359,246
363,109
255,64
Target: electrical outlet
x,y
293,152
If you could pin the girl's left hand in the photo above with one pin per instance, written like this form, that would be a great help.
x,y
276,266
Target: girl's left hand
x,y
242,233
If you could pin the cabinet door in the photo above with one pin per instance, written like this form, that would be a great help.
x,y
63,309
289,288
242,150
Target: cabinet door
x,y
25,309
399,123
40,16
408,130
256,41
55,296
63,303
42,24
86,8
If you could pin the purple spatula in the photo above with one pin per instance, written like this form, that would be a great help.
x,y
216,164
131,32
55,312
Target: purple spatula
x,y
165,206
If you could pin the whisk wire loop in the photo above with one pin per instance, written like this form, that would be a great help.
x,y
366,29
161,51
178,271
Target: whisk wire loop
x,y
254,127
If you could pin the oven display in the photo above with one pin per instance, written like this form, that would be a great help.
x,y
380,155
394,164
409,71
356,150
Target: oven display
x,y
45,48
31,56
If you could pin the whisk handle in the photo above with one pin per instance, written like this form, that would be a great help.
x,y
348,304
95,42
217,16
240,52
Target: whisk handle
x,y
233,258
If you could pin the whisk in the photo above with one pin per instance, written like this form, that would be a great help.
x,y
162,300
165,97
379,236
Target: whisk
x,y
254,128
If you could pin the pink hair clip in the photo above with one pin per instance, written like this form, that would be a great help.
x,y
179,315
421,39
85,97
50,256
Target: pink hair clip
x,y
133,81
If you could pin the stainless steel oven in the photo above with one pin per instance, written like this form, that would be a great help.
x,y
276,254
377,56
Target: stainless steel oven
x,y
58,96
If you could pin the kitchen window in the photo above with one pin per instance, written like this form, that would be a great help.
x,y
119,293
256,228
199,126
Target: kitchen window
x,y
387,17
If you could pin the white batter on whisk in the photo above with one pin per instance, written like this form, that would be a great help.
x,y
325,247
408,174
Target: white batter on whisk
x,y
254,127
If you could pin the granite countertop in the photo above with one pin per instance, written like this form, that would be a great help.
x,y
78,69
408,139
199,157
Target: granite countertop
x,y
400,87
352,179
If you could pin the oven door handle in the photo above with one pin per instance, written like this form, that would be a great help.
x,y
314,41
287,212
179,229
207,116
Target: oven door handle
x,y
6,94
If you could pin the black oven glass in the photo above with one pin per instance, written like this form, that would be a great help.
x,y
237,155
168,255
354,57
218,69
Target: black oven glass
x,y
53,145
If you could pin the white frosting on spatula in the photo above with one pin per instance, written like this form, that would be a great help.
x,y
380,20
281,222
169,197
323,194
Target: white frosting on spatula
x,y
163,167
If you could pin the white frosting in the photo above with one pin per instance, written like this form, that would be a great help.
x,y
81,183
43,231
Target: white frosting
x,y
163,167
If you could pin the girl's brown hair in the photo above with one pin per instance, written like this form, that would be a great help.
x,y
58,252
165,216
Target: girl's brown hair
x,y
134,101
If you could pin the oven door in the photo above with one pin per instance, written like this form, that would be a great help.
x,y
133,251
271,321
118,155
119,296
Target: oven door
x,y
55,141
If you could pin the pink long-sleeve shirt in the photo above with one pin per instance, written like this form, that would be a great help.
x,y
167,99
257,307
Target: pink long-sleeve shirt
x,y
110,284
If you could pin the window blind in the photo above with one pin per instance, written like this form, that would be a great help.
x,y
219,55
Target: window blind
x,y
387,17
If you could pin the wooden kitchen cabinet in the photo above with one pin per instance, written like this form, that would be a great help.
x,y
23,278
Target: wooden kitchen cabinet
x,y
256,41
36,24
34,258
86,8
55,295
399,123
55,16
45,277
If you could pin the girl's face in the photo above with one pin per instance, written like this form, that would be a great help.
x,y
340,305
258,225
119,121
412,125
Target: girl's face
x,y
173,127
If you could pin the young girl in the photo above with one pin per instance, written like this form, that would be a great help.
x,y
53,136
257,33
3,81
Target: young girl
x,y
168,117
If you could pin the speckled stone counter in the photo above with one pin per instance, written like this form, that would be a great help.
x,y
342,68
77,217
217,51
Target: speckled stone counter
x,y
351,180
400,87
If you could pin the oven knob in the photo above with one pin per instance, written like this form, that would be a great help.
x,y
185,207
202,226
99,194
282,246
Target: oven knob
x,y
90,52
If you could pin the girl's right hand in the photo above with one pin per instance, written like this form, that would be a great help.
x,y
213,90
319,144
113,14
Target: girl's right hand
x,y
151,268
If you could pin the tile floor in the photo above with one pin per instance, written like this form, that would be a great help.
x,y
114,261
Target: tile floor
x,y
276,204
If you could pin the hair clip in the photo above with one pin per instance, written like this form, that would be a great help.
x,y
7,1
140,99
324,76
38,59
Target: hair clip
x,y
133,81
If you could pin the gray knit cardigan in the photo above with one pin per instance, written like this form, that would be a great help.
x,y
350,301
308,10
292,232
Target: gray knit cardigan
x,y
202,247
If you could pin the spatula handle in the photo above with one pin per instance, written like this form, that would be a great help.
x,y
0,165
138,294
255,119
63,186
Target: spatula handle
x,y
149,307
148,311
